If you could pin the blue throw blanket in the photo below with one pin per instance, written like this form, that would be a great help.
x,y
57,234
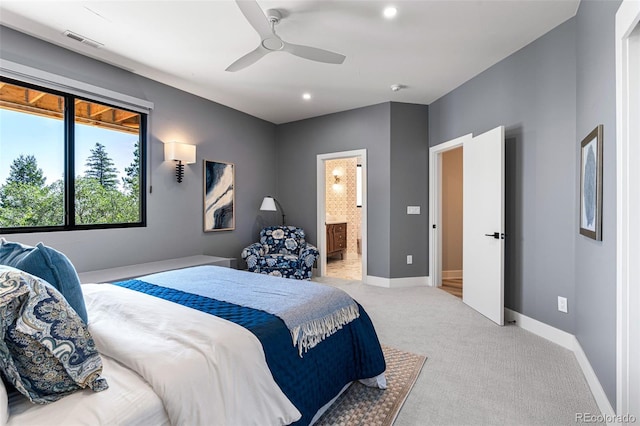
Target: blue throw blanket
x,y
350,354
311,311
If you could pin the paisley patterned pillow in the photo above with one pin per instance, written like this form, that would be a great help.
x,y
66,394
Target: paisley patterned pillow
x,y
46,350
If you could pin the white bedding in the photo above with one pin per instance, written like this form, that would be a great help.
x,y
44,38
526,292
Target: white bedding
x,y
129,401
206,370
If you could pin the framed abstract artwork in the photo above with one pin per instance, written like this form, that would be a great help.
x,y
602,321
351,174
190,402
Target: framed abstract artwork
x,y
219,196
591,184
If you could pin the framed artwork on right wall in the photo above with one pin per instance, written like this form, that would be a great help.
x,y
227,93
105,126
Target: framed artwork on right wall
x,y
591,184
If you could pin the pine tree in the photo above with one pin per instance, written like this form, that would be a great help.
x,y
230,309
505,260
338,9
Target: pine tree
x,y
25,200
131,182
24,169
100,167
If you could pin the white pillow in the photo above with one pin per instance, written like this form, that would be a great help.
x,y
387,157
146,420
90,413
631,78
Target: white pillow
x,y
4,404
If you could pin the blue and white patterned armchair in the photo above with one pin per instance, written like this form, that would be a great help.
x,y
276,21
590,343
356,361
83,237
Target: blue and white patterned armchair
x,y
283,252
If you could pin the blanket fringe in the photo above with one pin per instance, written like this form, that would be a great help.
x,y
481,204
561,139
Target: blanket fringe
x,y
309,334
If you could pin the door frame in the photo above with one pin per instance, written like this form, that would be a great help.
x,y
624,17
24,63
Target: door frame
x,y
435,206
628,208
322,211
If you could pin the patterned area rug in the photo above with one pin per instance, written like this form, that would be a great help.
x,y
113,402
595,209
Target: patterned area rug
x,y
362,405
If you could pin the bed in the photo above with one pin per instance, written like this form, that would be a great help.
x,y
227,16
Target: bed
x,y
213,345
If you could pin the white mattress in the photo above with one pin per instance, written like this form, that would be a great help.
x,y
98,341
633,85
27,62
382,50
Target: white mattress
x,y
128,401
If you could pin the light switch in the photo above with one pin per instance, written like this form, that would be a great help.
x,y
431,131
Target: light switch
x,y
413,209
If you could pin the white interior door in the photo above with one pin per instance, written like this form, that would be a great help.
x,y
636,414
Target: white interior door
x,y
483,224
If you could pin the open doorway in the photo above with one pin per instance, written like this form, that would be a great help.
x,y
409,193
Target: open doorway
x,y
452,209
437,211
342,217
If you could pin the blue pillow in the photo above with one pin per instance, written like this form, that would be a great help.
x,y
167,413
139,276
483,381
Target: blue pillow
x,y
11,252
48,264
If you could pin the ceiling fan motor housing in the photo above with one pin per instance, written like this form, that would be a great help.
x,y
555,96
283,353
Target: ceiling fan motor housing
x,y
274,16
273,43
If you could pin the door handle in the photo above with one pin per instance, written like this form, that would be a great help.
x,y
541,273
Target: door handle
x,y
495,235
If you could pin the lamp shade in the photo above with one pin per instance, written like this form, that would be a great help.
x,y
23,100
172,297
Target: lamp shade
x,y
268,204
180,152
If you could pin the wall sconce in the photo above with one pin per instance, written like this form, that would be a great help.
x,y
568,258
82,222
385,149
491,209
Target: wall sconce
x,y
269,205
180,152
336,180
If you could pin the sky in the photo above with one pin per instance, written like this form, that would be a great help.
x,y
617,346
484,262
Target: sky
x,y
43,137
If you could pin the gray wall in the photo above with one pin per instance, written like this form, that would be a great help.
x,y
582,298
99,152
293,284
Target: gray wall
x,y
174,210
300,142
409,187
395,137
550,95
533,94
595,267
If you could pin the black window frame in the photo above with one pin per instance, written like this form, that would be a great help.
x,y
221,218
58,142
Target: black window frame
x,y
69,166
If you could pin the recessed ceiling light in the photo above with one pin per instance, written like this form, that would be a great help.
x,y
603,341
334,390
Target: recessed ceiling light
x,y
306,96
390,12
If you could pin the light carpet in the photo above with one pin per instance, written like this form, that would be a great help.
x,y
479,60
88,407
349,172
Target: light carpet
x,y
478,373
362,405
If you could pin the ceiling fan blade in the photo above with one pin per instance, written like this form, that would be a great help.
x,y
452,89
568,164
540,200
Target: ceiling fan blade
x,y
248,59
314,53
256,17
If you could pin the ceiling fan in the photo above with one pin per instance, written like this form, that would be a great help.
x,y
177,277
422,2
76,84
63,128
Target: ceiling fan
x,y
271,42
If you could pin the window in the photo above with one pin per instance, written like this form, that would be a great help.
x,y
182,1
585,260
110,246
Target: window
x,y
67,162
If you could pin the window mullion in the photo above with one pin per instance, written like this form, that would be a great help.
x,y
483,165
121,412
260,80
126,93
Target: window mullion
x,y
70,196
142,178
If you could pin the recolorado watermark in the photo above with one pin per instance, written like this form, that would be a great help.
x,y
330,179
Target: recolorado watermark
x,y
605,418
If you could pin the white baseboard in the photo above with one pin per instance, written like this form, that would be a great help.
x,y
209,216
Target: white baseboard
x,y
557,336
596,388
568,341
452,274
397,282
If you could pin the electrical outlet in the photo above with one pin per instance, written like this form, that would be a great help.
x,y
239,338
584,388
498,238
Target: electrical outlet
x,y
562,304
409,259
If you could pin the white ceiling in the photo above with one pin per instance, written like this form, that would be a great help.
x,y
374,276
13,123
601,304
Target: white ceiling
x,y
431,47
